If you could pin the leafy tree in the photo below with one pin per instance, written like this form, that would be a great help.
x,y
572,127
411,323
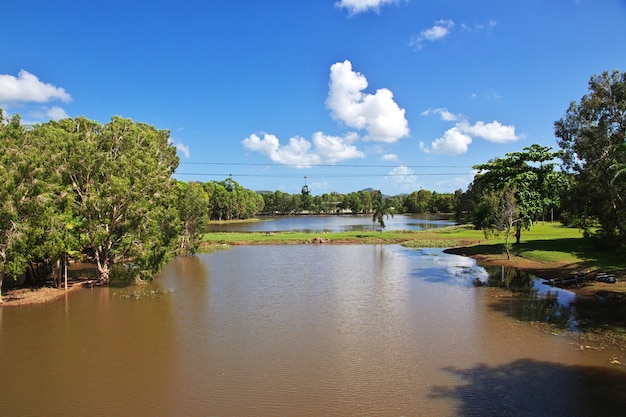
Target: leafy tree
x,y
192,202
58,223
366,201
120,174
592,135
14,191
381,210
533,177
353,202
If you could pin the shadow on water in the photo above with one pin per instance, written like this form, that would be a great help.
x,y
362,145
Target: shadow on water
x,y
531,388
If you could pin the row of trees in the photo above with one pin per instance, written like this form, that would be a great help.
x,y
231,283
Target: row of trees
x,y
103,193
359,202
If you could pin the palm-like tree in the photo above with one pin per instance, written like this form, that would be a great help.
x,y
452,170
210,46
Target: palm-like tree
x,y
382,210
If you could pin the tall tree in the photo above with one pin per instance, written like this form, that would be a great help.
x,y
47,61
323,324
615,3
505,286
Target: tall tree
x,y
592,135
192,203
120,174
14,192
381,210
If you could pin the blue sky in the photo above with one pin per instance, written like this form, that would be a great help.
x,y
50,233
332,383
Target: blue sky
x,y
396,95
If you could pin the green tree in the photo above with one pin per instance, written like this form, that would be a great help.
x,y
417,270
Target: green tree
x,y
533,177
381,210
592,135
120,174
192,202
14,192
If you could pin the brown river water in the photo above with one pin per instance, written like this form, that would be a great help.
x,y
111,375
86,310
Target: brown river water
x,y
302,330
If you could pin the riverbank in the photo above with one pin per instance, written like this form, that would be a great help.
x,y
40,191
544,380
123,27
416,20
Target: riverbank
x,y
39,295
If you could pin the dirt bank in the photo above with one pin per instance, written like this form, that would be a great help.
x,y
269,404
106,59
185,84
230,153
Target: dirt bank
x,y
39,295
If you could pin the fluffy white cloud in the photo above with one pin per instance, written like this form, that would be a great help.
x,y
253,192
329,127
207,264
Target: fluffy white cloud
x,y
492,132
453,142
26,87
389,157
456,140
360,6
301,153
377,113
438,31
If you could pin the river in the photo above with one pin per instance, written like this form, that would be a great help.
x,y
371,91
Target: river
x,y
302,330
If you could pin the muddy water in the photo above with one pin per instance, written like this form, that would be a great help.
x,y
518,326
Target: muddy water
x,y
299,331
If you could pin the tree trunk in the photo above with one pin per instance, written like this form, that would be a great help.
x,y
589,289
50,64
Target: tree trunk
x,y
102,263
103,273
65,270
518,233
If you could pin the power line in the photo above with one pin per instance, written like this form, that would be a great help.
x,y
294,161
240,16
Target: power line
x,y
322,165
321,175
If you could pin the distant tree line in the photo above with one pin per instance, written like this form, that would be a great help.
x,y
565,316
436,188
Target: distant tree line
x,y
358,202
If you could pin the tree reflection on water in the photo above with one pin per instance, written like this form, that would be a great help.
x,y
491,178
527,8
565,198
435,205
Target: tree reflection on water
x,y
531,300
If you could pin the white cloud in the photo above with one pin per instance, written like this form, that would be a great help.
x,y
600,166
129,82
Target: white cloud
x,y
301,153
360,6
438,31
180,147
184,149
444,28
47,113
377,113
26,87
456,140
443,113
453,142
493,132
389,157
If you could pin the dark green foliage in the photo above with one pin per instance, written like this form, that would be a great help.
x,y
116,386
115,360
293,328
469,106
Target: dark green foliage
x,y
592,135
76,188
192,210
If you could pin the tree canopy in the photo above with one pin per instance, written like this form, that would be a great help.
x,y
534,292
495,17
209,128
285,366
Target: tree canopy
x,y
531,178
76,187
592,135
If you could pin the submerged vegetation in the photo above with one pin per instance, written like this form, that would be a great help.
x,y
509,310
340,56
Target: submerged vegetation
x,y
142,294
